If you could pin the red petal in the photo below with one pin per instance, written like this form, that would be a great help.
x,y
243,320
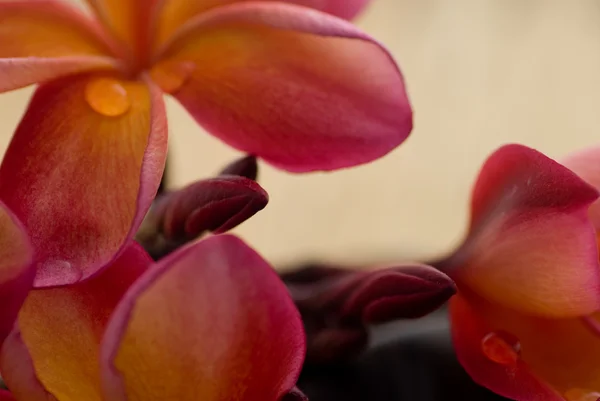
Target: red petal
x,y
212,316
246,73
176,13
17,269
82,181
61,329
46,39
515,381
531,246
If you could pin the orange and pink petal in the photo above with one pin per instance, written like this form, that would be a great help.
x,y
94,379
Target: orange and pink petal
x,y
82,170
45,39
531,245
6,395
498,366
247,73
60,333
17,269
586,164
132,22
176,13
212,322
523,357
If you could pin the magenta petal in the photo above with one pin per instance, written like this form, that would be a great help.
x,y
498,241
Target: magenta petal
x,y
211,321
19,371
256,85
82,181
347,9
6,395
17,269
531,246
586,164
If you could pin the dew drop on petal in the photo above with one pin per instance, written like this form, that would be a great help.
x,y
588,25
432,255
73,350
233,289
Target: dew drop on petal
x,y
501,347
170,76
53,271
579,394
107,96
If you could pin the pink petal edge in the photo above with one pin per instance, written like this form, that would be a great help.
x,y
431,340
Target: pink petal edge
x,y
112,381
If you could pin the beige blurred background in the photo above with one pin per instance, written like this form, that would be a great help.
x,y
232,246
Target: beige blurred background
x,y
480,73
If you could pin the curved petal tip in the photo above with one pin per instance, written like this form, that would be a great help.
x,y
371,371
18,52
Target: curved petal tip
x,y
531,245
222,292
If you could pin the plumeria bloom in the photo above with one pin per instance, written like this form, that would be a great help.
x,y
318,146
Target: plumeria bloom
x,y
210,322
298,87
528,278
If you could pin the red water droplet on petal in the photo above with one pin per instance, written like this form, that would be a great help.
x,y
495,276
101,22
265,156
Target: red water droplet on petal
x,y
501,347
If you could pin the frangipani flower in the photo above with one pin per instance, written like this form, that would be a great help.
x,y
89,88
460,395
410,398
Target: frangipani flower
x,y
298,87
210,322
528,277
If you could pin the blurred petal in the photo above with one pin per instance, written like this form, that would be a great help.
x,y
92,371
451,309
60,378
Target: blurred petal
x,y
132,21
246,72
246,167
16,269
556,355
175,13
45,39
62,329
82,181
6,395
19,372
531,246
216,205
586,164
210,322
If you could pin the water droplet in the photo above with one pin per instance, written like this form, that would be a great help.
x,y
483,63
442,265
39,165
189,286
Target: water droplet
x,y
107,96
501,347
579,394
56,272
170,76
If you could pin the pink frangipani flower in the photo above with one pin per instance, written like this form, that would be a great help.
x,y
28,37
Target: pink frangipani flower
x,y
298,87
210,322
528,277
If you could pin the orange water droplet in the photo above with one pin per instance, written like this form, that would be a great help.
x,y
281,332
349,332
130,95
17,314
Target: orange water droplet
x,y
579,394
107,96
170,76
501,347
